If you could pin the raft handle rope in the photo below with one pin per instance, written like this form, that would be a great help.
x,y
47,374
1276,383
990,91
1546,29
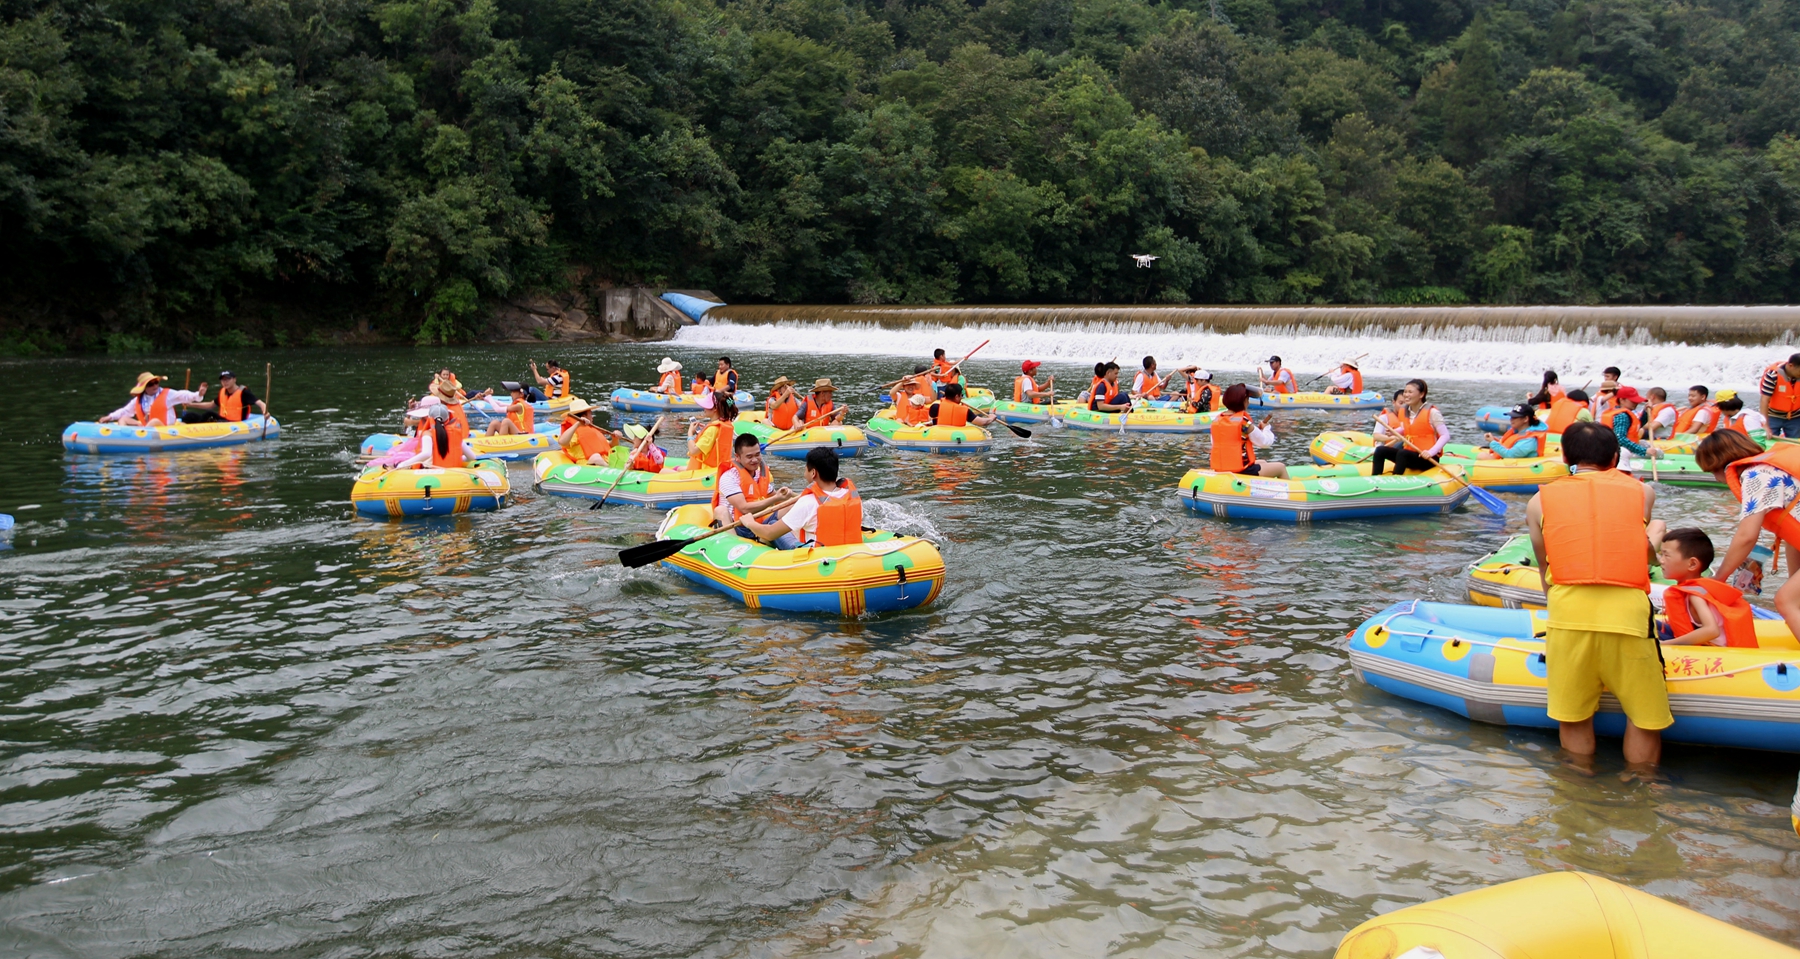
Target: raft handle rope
x,y
1452,638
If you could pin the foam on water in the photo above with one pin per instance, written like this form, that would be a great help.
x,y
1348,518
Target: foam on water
x,y
1500,353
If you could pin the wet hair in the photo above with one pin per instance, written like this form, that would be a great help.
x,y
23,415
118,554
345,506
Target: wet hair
x,y
1579,396
1722,448
937,354
1658,393
823,460
1424,390
1237,396
1149,362
1692,543
1732,405
1549,379
1589,444
1613,372
953,391
1703,391
744,441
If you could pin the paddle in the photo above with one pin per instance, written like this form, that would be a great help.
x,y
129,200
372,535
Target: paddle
x,y
268,381
1494,504
803,427
1325,374
933,372
1018,431
635,556
635,450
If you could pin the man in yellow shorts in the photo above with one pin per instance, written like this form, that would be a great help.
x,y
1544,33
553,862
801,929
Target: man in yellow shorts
x,y
1594,538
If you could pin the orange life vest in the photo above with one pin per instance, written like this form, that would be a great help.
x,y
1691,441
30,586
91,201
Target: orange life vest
x,y
590,441
1232,451
1512,436
816,412
904,410
1737,423
1786,401
1203,396
1562,414
781,412
722,381
446,447
1594,530
460,417
1655,411
670,382
1684,420
1151,388
522,416
719,456
1608,415
1356,382
840,518
1737,624
942,372
701,386
1023,387
1103,392
1283,380
231,404
1416,427
1785,457
560,390
754,488
649,459
157,413
952,413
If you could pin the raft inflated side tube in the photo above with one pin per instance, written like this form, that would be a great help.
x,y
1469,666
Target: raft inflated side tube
x,y
1558,915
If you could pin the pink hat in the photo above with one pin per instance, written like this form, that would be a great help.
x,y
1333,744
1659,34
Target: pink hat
x,y
705,400
1630,394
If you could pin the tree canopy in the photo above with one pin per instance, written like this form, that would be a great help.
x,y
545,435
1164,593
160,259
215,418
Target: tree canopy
x,y
172,170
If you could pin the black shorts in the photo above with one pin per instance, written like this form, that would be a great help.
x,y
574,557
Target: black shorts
x,y
1254,469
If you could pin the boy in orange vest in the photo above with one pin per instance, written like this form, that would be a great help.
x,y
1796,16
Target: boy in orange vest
x,y
1592,534
1702,611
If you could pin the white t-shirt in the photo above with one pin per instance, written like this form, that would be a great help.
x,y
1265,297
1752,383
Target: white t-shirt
x,y
730,485
1667,417
1343,379
1144,381
1261,437
1754,420
803,516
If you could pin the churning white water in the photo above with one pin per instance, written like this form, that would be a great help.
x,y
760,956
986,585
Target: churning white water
x,y
1519,354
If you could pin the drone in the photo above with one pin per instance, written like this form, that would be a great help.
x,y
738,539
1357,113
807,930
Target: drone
x,y
1144,260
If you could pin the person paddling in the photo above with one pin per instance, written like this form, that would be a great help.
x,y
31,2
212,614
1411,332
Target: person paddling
x,y
670,372
151,404
743,489
950,410
913,397
1522,436
1347,379
821,405
231,405
1106,397
1593,536
782,406
709,443
520,418
1658,414
1202,395
586,443
1280,379
1701,611
943,372
1620,416
558,385
1411,421
1146,385
1236,437
1025,385
828,513
1766,485
439,445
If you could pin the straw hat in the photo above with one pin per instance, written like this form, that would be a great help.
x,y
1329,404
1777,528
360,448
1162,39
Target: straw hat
x,y
579,406
144,381
781,381
453,384
918,400
823,385
1352,363
667,366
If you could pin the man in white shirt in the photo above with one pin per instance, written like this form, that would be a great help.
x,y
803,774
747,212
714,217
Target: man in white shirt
x,y
151,405
800,523
741,504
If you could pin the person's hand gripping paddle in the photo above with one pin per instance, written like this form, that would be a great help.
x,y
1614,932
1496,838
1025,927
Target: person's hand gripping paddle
x,y
635,450
636,556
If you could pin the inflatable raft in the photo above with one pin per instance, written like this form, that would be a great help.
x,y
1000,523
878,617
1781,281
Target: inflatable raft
x,y
886,430
1023,414
627,400
517,447
1344,447
847,440
882,573
495,407
390,493
676,485
90,437
1320,493
1136,421
1509,578
1366,400
1554,915
1488,664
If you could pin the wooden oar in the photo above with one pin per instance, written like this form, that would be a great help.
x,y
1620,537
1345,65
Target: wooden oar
x,y
635,556
1494,504
627,467
934,372
803,427
1328,373
268,381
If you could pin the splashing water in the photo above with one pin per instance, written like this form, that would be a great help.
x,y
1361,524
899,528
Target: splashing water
x,y
897,518
1518,354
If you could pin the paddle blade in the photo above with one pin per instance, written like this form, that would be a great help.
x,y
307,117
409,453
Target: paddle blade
x,y
1494,504
634,556
1018,431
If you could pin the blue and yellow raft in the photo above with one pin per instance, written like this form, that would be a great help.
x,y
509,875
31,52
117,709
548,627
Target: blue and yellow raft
x,y
387,493
92,437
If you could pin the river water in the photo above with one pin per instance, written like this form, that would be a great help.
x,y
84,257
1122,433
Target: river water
x,y
239,720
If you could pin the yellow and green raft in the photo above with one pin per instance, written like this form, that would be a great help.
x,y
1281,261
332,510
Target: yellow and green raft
x,y
1136,421
558,475
883,573
390,493
1315,493
1523,475
887,430
845,439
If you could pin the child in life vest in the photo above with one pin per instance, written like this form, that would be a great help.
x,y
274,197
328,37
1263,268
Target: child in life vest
x,y
1701,611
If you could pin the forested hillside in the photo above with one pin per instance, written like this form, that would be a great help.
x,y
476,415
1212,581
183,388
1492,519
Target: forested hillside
x,y
173,170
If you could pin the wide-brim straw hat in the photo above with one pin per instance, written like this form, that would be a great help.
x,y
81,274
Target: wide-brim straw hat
x,y
781,381
454,384
143,383
1351,363
823,385
918,400
579,406
667,366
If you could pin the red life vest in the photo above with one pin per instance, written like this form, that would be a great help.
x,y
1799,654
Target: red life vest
x,y
1786,401
1594,530
781,412
840,518
1784,457
231,404
952,413
1737,624
1232,451
753,487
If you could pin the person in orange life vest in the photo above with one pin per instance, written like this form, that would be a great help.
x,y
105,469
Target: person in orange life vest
x,y
913,396
952,411
743,489
1025,385
782,407
1105,396
585,442
1619,413
1766,485
709,443
820,408
1280,379
942,374
828,512
1733,416
725,378
558,384
1609,384
446,388
1658,414
439,445
1548,393
1701,611
1414,421
1236,437
232,404
1201,395
1146,385
1592,534
1780,391
520,418
151,404
1347,379
1567,410
1521,439
701,385
670,372
1700,417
